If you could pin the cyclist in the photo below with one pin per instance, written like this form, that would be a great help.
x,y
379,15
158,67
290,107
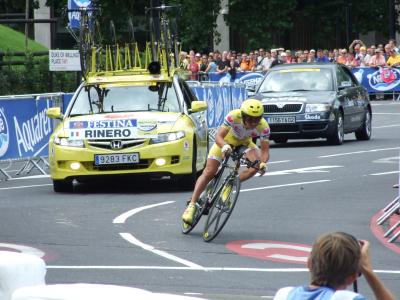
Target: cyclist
x,y
238,129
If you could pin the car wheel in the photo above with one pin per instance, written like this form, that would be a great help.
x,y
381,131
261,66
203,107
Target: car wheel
x,y
62,186
189,180
280,140
364,133
337,136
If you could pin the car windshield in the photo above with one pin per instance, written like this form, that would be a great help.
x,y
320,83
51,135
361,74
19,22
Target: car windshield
x,y
94,99
297,80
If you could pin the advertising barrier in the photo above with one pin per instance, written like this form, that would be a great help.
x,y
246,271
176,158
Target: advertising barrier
x,y
375,80
220,98
25,129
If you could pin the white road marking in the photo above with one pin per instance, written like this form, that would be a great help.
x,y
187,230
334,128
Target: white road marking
x,y
30,177
316,169
386,113
359,152
385,173
385,126
131,239
24,186
122,218
289,257
278,161
388,160
267,270
275,246
283,185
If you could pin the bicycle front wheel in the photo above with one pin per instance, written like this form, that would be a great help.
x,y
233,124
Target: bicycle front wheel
x,y
224,203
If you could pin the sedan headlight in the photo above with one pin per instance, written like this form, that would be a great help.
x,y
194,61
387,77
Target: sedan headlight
x,y
68,143
168,137
318,107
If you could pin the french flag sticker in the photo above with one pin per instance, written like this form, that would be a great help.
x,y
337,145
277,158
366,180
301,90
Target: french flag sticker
x,y
74,133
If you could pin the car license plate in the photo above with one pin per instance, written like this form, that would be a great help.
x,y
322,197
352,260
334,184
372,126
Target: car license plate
x,y
281,120
116,159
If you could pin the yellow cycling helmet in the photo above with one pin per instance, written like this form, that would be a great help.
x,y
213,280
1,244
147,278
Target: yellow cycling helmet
x,y
252,108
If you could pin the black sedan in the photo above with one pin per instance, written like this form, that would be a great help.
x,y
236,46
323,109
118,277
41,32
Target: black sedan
x,y
303,101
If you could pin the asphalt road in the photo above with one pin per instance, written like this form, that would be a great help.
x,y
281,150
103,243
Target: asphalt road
x,y
128,233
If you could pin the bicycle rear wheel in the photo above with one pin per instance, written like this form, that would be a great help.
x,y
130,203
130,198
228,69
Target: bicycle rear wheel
x,y
224,203
201,207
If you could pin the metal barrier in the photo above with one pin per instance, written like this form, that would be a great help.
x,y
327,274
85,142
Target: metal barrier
x,y
25,130
390,210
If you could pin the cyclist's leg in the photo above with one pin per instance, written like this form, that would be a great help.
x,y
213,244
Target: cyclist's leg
x,y
252,153
213,161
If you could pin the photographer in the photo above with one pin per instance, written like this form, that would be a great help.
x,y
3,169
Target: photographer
x,y
335,262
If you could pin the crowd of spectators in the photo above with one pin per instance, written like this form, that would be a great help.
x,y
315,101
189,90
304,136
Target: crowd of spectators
x,y
357,55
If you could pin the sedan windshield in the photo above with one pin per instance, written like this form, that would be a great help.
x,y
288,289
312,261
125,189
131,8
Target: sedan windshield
x,y
94,99
297,80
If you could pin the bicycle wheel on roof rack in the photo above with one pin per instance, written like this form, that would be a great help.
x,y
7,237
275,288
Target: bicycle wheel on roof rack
x,y
97,41
85,47
131,30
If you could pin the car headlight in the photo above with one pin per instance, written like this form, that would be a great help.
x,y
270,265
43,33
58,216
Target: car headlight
x,y
168,137
318,107
68,143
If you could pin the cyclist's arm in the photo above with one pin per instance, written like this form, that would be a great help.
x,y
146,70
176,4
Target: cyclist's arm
x,y
221,134
264,146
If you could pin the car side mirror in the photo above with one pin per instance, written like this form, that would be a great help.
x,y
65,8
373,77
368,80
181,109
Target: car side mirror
x,y
198,106
54,113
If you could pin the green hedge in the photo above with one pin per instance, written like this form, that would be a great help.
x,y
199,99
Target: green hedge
x,y
34,77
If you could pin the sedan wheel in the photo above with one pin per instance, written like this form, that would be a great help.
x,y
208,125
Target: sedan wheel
x,y
364,133
337,136
62,186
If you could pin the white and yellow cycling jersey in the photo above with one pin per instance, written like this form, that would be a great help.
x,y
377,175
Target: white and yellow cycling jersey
x,y
238,135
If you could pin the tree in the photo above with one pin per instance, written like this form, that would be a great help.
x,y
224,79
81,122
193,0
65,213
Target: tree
x,y
258,20
197,23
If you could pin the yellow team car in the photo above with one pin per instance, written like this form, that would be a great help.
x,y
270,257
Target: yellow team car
x,y
128,123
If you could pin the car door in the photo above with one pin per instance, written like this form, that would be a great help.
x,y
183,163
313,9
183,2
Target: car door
x,y
198,118
360,99
348,94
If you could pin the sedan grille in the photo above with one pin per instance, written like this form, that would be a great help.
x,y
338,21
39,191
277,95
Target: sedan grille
x,y
282,108
115,144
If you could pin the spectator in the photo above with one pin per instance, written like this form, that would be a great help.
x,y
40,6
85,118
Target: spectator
x,y
193,68
311,56
354,48
253,60
331,57
183,61
378,60
203,63
392,43
341,59
387,50
276,60
245,63
233,65
321,57
197,58
335,262
223,64
289,58
212,66
364,57
394,59
260,59
266,63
